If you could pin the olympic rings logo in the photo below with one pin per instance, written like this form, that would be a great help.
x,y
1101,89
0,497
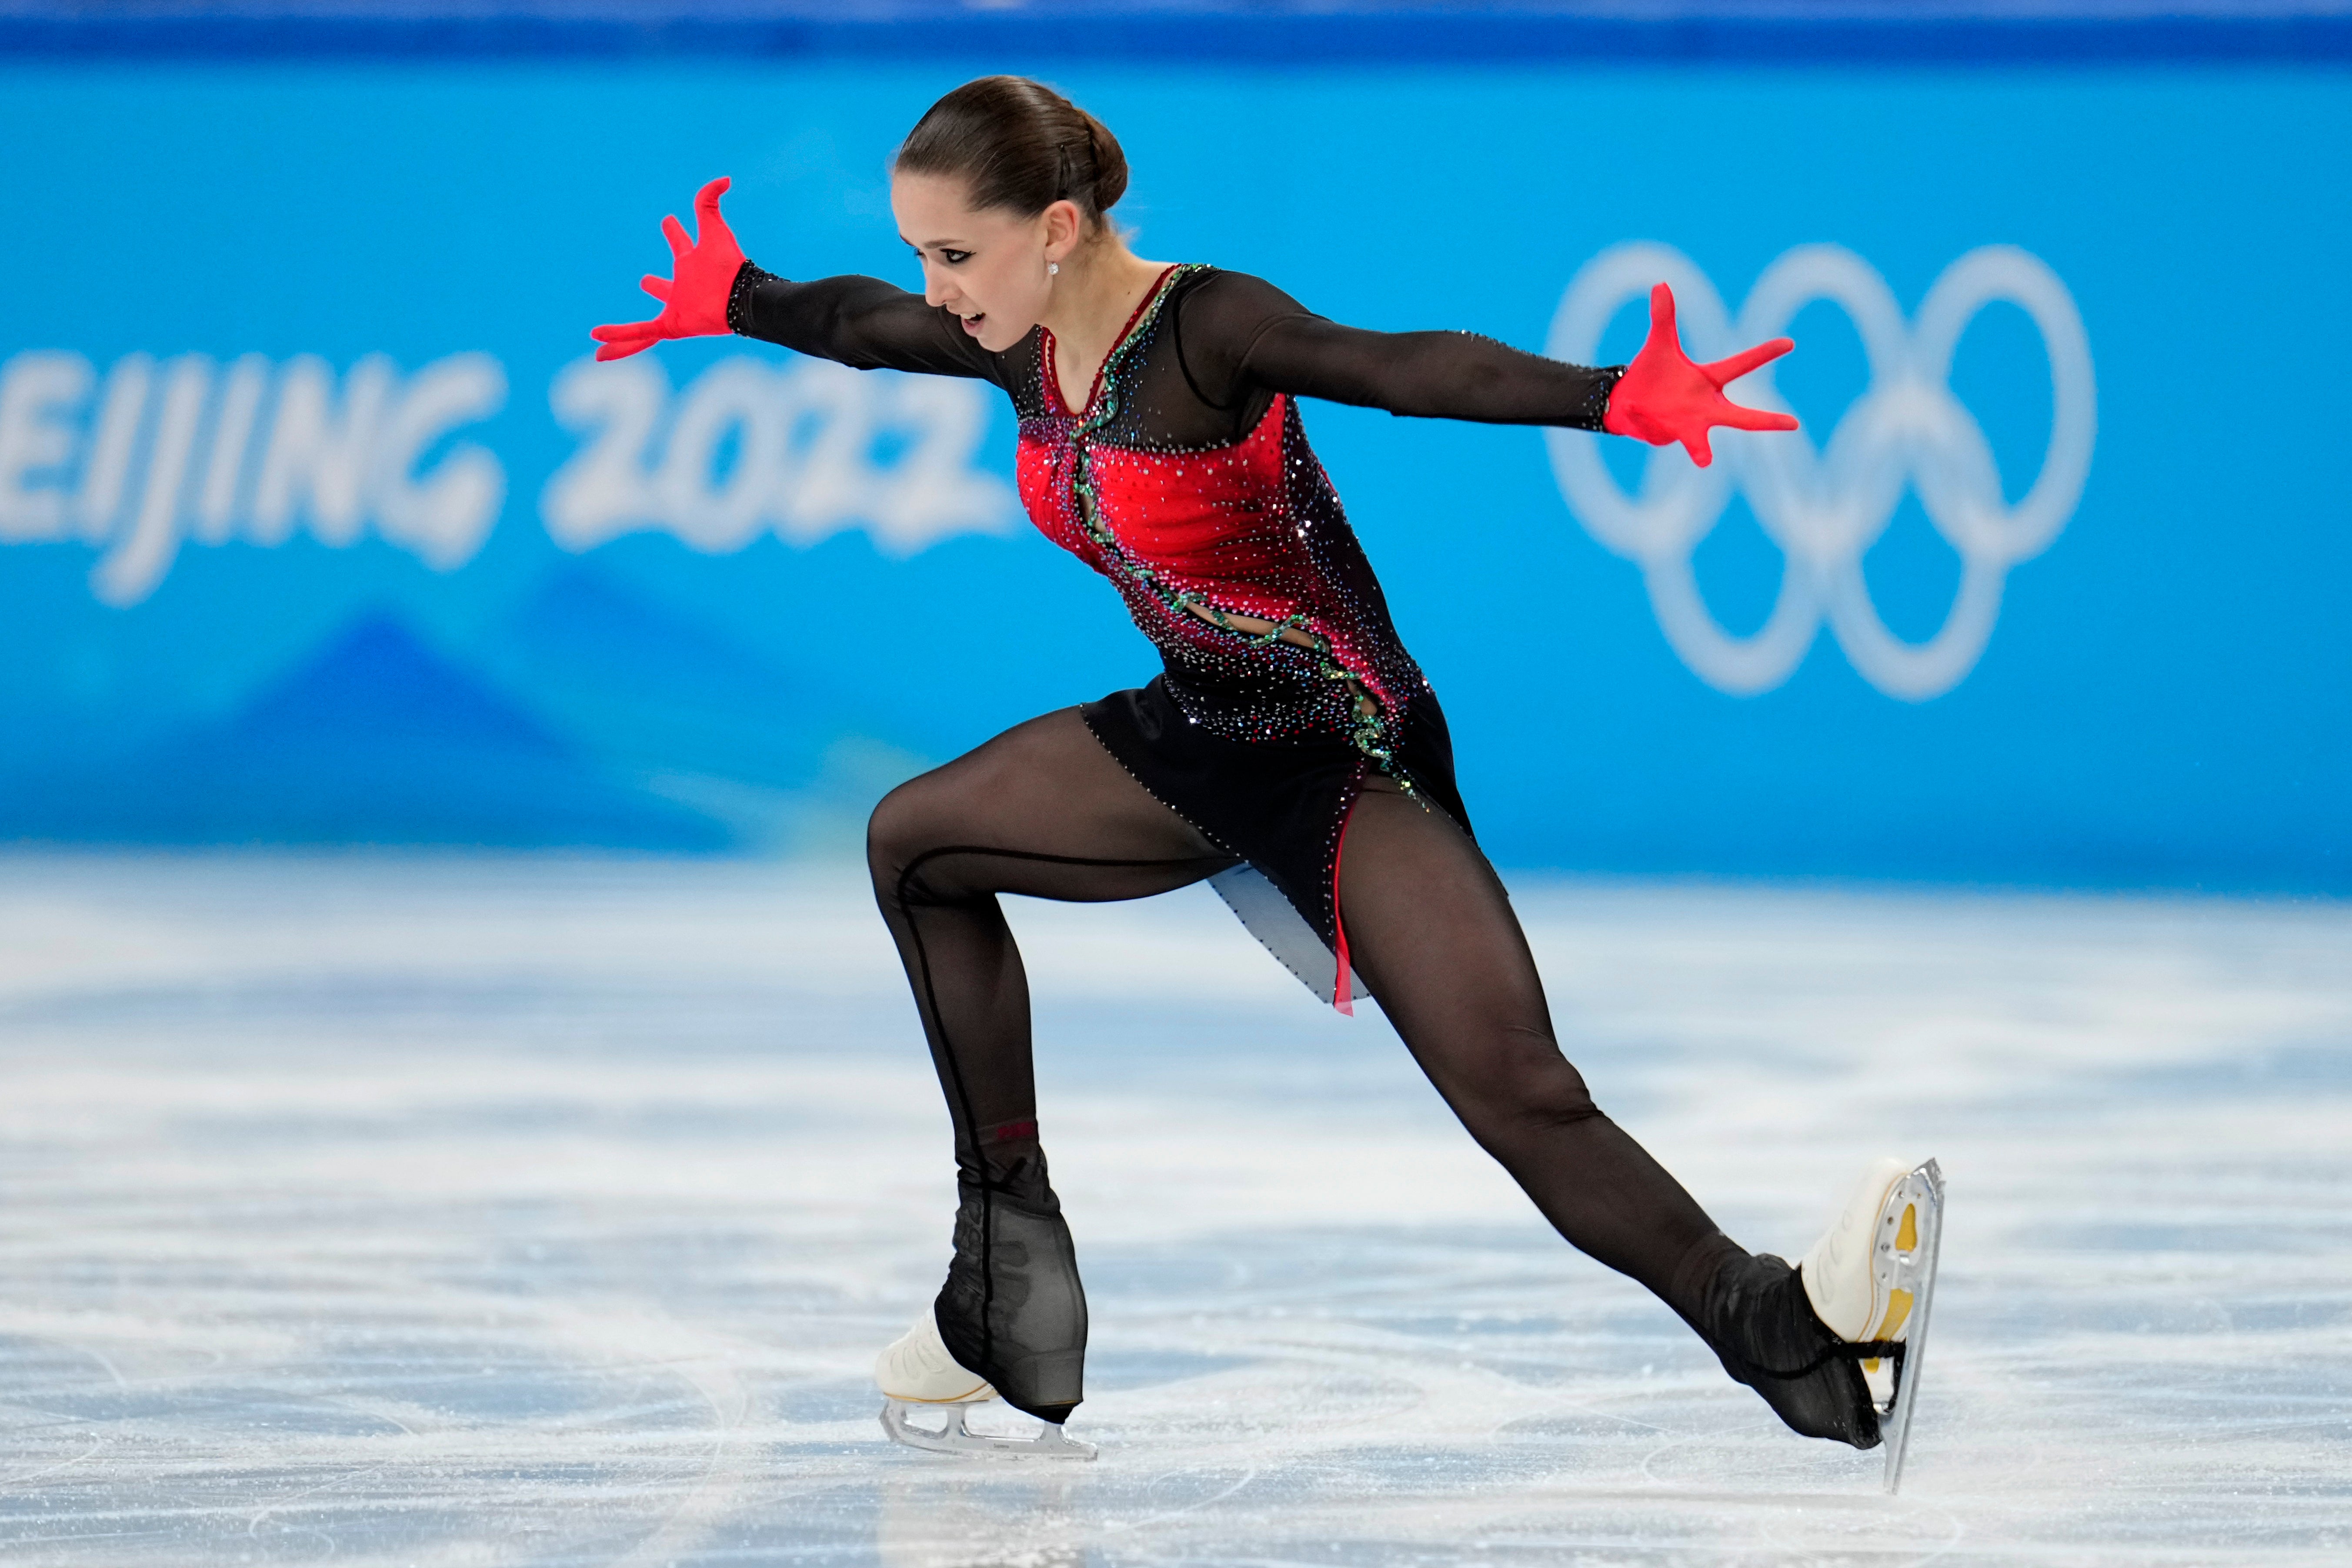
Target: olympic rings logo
x,y
1825,507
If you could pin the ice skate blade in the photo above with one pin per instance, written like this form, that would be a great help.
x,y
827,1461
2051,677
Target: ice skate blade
x,y
1923,1189
958,1438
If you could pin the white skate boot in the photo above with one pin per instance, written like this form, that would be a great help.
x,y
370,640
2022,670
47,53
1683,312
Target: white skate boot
x,y
1871,1279
917,1373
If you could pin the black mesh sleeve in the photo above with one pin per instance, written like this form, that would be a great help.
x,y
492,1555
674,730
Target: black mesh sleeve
x,y
863,323
1241,334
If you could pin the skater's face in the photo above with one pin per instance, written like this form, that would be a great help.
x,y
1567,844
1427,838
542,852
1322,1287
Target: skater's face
x,y
987,265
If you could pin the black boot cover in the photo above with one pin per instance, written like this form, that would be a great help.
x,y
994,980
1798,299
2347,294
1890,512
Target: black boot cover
x,y
1756,1319
1013,1309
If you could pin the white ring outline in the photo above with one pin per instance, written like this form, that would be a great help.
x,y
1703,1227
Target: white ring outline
x,y
1825,507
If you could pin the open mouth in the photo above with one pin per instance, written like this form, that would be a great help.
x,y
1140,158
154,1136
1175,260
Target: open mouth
x,y
972,323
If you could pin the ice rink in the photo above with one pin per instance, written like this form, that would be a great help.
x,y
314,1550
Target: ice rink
x,y
486,1212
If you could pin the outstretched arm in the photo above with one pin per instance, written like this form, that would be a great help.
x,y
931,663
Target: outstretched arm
x,y
859,321
1435,375
1269,341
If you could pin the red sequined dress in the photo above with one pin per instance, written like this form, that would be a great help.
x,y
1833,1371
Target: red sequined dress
x,y
1187,481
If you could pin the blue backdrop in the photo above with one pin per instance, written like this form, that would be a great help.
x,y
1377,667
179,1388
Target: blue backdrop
x,y
314,525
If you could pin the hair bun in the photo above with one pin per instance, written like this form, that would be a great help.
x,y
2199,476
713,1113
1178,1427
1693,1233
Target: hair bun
x,y
1109,162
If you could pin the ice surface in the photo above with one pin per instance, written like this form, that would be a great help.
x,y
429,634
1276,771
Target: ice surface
x,y
529,1212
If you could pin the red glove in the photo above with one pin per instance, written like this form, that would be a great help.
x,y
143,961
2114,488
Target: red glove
x,y
1664,398
694,302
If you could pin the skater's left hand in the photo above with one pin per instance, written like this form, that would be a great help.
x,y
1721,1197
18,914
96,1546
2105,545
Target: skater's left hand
x,y
694,299
1664,396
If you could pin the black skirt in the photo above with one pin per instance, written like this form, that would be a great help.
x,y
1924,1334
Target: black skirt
x,y
1281,806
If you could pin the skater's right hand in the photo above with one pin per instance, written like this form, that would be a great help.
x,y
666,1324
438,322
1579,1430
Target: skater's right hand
x,y
693,299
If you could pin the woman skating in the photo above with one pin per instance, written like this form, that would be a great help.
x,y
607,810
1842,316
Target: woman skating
x,y
1291,751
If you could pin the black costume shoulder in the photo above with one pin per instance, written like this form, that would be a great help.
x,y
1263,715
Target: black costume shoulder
x,y
1240,337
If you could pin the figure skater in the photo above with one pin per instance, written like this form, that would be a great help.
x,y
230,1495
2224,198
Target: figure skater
x,y
1291,751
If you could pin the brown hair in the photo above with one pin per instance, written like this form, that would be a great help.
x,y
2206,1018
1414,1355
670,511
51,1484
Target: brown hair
x,y
1019,145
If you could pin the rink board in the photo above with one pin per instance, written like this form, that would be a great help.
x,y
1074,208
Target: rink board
x,y
314,526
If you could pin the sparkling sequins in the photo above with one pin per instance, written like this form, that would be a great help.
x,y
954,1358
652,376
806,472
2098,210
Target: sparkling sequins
x,y
1197,541
748,280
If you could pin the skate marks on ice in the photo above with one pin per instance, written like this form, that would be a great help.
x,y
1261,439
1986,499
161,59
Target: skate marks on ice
x,y
486,1212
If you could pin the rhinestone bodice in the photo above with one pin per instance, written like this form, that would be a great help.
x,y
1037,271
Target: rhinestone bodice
x,y
1191,536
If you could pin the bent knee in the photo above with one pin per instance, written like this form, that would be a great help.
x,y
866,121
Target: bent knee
x,y
888,831
916,848
906,826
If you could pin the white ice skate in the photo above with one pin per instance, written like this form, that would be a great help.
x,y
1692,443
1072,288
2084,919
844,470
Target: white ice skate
x,y
1872,1278
917,1375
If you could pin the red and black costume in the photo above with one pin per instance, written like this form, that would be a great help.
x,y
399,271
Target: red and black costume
x,y
1310,759
1188,482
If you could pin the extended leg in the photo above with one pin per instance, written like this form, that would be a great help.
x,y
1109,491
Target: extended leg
x,y
1431,932
1045,811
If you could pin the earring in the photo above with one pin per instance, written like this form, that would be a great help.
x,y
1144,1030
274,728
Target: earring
x,y
1051,268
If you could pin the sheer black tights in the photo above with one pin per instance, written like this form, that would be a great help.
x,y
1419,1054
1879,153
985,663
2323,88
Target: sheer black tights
x,y
1043,810
1433,933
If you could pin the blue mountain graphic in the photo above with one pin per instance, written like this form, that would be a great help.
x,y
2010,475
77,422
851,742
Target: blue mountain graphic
x,y
377,739
683,711
638,683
